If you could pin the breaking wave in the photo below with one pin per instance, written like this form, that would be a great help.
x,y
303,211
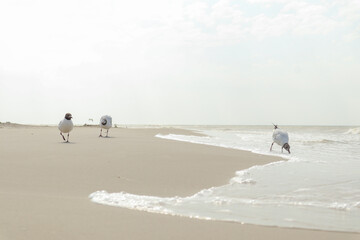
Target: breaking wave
x,y
353,131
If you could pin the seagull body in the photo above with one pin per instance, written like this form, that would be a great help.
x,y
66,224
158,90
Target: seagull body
x,y
105,123
281,138
65,126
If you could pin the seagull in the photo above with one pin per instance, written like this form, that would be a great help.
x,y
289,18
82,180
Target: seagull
x,y
66,125
281,138
106,123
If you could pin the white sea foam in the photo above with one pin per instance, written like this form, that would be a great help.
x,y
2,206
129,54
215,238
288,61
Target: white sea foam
x,y
131,201
316,187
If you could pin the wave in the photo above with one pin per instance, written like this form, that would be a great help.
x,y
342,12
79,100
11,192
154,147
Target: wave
x,y
353,131
323,141
175,205
217,142
131,201
204,140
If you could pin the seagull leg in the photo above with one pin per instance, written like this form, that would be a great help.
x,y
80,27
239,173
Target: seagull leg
x,y
271,146
107,132
68,137
62,136
100,132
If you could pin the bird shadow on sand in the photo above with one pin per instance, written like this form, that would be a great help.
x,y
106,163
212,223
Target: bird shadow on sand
x,y
68,142
107,137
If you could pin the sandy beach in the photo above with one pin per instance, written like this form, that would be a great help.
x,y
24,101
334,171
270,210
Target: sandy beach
x,y
45,184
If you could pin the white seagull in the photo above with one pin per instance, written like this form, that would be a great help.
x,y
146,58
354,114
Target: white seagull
x,y
281,138
106,123
66,125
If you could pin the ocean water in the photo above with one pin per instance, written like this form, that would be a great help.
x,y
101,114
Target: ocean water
x,y
317,186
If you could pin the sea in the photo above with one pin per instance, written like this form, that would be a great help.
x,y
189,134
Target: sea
x,y
317,186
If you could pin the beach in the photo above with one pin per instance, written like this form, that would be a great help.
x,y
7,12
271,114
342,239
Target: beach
x,y
45,185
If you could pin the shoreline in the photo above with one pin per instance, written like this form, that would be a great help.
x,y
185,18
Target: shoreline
x,y
45,185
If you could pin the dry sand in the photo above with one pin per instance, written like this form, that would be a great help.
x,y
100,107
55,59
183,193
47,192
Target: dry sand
x,y
45,183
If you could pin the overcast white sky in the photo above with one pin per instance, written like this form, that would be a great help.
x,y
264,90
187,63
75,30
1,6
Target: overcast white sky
x,y
181,62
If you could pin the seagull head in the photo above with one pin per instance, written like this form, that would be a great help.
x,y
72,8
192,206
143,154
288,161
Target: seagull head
x,y
287,147
103,121
68,116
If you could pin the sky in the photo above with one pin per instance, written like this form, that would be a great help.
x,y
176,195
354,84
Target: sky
x,y
216,62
